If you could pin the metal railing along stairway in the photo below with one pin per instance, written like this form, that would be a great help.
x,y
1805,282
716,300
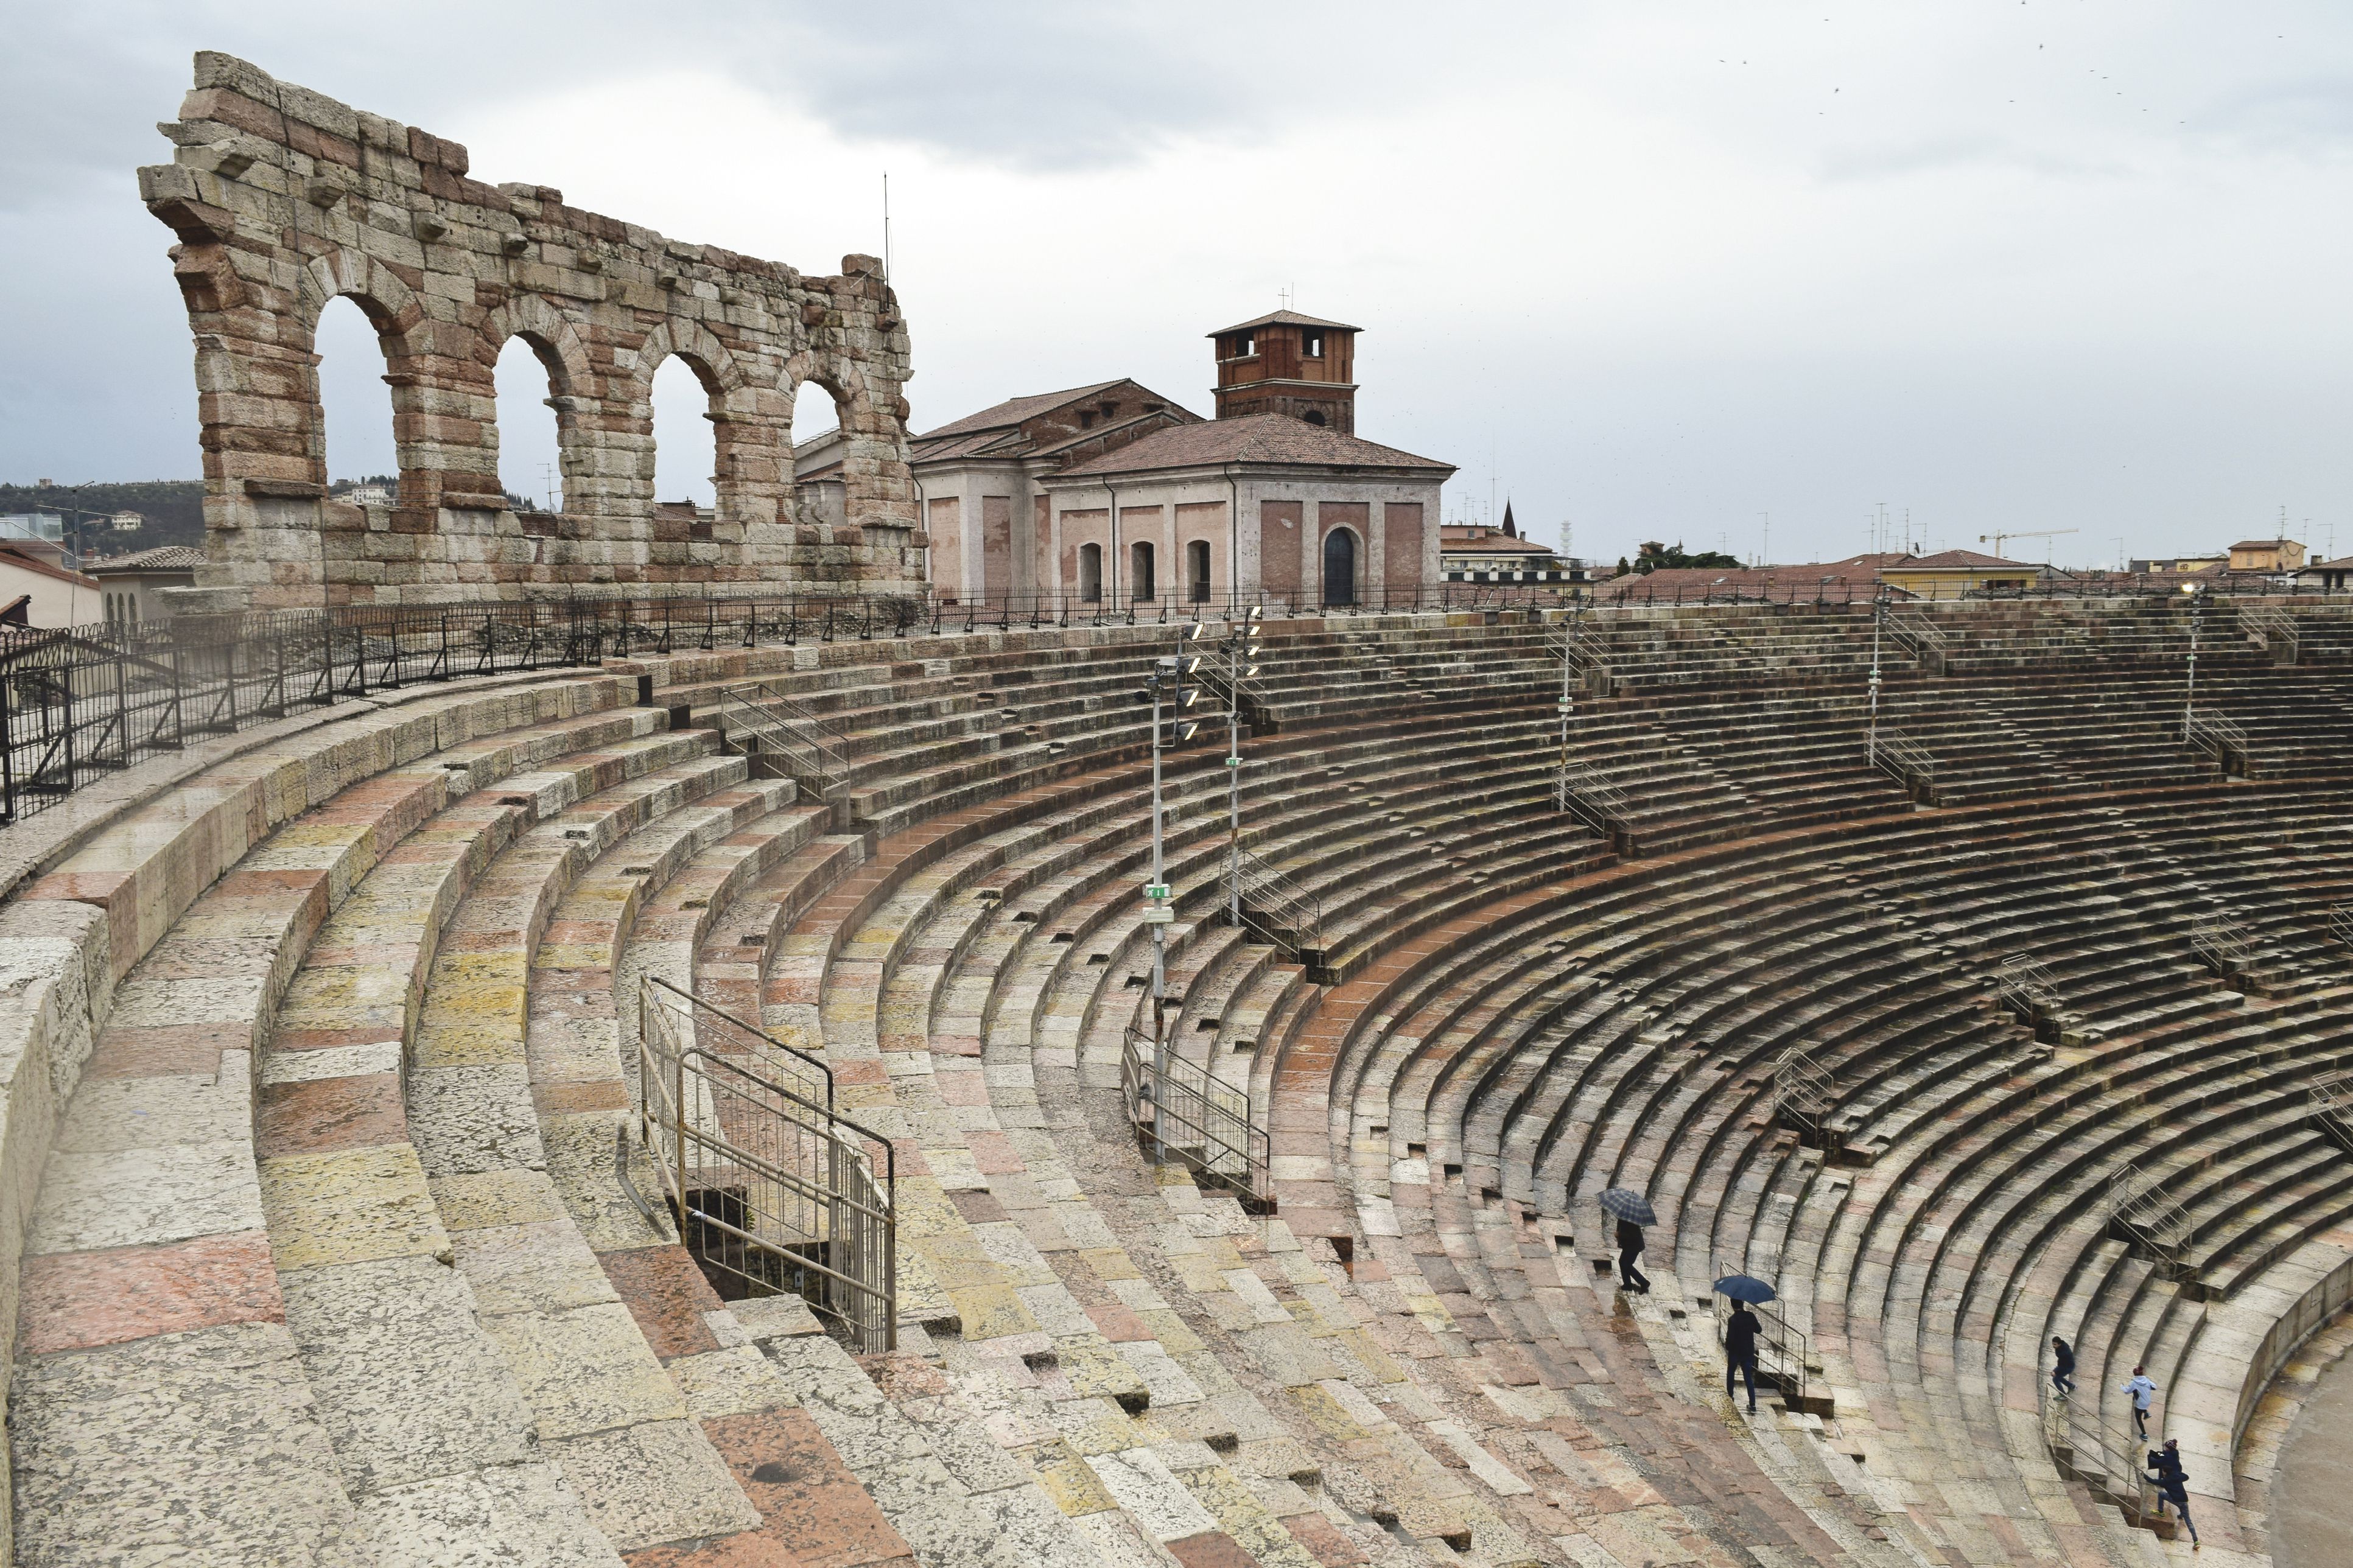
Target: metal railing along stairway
x,y
1922,636
2222,947
1180,1105
2218,733
2102,1455
774,1190
1599,803
2277,628
2027,989
2142,1214
1907,761
771,727
1278,912
2332,1110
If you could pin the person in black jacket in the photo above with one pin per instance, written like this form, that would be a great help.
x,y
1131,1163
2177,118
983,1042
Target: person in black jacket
x,y
1630,1247
2062,1365
1740,1351
2172,1484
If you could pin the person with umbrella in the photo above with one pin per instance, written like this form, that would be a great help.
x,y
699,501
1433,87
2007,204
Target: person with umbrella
x,y
1633,1211
1741,1331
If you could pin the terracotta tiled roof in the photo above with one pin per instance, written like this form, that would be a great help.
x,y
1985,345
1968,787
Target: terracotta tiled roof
x,y
1013,411
1948,559
31,562
162,558
1273,439
1284,319
1486,541
1836,580
2262,543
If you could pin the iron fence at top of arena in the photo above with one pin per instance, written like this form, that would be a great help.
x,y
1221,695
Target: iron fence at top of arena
x,y
85,702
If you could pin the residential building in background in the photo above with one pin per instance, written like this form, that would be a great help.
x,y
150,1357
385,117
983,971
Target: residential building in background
x,y
36,590
1112,492
130,585
2266,556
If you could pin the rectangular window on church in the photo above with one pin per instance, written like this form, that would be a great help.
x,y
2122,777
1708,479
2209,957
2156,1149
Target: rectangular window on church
x,y
1314,345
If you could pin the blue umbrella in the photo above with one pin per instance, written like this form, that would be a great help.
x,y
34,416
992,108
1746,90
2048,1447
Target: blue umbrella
x,y
1624,1202
1745,1288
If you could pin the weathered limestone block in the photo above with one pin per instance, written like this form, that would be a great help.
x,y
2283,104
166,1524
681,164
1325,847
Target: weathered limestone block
x,y
283,199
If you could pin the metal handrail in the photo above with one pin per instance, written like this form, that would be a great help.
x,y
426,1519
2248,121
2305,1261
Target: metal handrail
x,y
1207,1123
1894,752
1601,803
784,727
2220,946
734,1035
1276,895
2271,621
2029,988
767,1184
2217,730
2331,1102
2140,1211
1803,1093
2102,1455
1922,633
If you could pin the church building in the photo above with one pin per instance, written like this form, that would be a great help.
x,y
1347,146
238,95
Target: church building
x,y
1115,494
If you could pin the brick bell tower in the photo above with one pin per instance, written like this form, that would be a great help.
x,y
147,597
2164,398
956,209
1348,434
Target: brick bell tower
x,y
1289,363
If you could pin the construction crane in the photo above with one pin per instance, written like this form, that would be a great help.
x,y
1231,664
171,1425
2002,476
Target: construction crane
x,y
2022,533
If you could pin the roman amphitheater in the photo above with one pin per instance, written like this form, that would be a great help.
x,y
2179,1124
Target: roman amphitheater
x,y
705,1095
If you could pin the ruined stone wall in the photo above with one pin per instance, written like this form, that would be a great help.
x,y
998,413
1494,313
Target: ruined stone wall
x,y
283,199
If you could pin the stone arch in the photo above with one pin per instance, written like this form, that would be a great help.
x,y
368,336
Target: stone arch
x,y
555,339
714,361
1343,568
747,446
428,456
552,333
878,487
391,305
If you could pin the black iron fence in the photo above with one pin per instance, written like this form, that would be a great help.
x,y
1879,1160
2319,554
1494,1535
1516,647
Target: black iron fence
x,y
83,702
87,701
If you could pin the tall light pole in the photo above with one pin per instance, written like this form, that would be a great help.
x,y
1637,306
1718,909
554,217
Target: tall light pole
x,y
2189,687
1241,649
1878,622
1165,690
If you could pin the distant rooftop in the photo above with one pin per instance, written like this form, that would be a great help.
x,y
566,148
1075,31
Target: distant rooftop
x,y
1285,319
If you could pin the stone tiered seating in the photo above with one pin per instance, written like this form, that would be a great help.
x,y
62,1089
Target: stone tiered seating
x,y
333,1254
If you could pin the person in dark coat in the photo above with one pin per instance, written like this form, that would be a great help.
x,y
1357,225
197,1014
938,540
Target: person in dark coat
x,y
1630,1247
2172,1484
2062,1365
1740,1351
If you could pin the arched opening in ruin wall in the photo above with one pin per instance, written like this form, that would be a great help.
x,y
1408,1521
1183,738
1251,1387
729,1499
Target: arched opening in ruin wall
x,y
282,200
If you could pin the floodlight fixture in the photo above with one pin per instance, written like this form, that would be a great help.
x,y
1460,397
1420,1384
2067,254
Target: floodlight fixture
x,y
1258,611
1190,663
1193,632
1188,729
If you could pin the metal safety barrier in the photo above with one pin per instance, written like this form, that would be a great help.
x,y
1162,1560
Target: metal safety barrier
x,y
773,1190
768,723
1184,1109
1278,910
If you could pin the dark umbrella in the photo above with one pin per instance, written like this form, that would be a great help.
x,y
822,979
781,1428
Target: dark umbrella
x,y
1745,1288
1624,1202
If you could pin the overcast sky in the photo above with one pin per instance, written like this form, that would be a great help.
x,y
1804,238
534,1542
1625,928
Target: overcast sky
x,y
1649,270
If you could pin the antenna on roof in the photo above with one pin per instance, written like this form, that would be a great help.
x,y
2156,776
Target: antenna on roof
x,y
886,226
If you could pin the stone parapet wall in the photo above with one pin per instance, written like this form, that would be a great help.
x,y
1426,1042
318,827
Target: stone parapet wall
x,y
283,199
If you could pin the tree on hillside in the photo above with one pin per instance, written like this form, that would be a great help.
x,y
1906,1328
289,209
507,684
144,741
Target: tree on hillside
x,y
1655,556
